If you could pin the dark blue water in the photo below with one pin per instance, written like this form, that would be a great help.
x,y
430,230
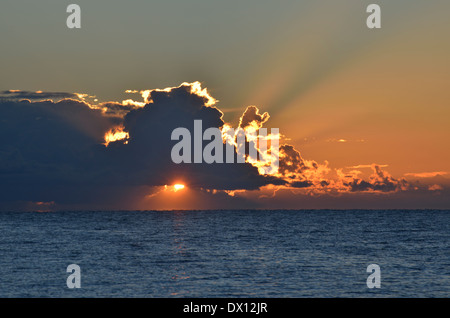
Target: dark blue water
x,y
225,253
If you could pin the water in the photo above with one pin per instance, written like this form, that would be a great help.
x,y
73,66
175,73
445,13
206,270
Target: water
x,y
225,253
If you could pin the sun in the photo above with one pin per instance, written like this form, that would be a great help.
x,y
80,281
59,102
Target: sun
x,y
178,186
175,187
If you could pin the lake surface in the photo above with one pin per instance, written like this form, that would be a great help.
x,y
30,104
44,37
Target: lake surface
x,y
257,253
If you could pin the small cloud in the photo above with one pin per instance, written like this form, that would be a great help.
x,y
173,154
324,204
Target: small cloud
x,y
301,184
116,134
379,181
426,174
435,187
252,118
15,94
344,140
367,166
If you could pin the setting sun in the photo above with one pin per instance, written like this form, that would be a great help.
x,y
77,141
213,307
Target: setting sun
x,y
177,187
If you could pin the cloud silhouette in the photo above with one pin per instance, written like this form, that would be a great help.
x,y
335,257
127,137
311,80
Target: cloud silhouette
x,y
11,95
379,181
53,153
47,148
148,152
252,117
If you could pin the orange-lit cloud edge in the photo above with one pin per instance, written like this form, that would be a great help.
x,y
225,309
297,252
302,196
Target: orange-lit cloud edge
x,y
302,176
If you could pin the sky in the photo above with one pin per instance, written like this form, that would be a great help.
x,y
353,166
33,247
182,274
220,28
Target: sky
x,y
363,114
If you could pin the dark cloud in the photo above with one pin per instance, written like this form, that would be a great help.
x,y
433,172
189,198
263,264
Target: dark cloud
x,y
11,95
150,144
47,149
252,117
380,180
116,109
53,154
290,160
300,184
